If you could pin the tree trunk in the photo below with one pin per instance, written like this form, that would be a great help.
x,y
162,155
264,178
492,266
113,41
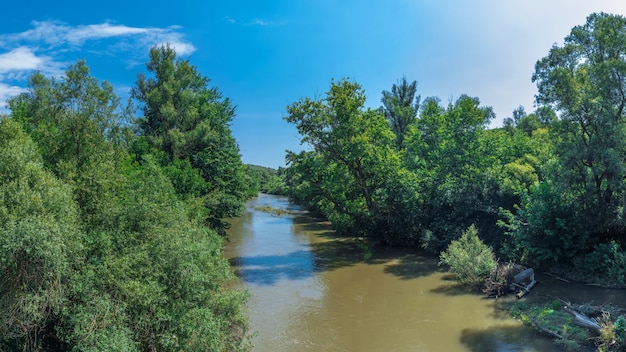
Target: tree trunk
x,y
528,274
583,320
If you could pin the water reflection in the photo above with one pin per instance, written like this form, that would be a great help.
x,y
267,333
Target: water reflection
x,y
270,269
314,292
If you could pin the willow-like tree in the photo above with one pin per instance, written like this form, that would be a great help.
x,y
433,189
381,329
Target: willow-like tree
x,y
79,125
353,153
190,122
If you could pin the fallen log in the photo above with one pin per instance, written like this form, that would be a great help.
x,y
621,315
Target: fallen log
x,y
583,320
528,274
525,274
526,289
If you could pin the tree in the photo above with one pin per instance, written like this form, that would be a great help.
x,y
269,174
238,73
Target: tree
x,y
79,125
447,151
585,82
400,107
352,146
97,251
190,122
40,244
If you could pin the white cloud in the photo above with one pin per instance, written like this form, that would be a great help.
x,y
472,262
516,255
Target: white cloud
x,y
19,59
7,92
46,32
46,45
181,48
255,22
260,22
48,35
105,30
43,48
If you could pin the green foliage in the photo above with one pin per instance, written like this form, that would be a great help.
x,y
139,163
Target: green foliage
x,y
78,124
606,261
450,154
584,81
402,209
40,243
612,334
620,331
189,122
103,248
469,258
352,159
543,231
400,107
266,180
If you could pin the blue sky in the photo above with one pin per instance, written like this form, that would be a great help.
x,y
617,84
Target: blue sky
x,y
264,55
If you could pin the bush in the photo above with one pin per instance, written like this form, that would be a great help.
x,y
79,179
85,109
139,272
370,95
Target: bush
x,y
607,261
469,258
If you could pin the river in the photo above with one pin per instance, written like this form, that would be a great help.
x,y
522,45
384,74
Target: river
x,y
312,291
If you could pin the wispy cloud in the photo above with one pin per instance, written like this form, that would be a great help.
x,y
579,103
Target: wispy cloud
x,y
44,47
106,30
260,22
255,22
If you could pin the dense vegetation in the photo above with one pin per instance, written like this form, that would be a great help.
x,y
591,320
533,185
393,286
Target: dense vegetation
x,y
547,188
109,224
266,180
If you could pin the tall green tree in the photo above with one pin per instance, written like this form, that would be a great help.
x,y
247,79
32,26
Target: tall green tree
x,y
190,122
585,82
81,129
448,152
354,148
400,107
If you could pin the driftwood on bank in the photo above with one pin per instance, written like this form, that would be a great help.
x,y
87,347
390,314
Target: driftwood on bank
x,y
519,280
583,320
510,277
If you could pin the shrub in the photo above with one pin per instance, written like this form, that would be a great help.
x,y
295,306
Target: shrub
x,y
606,261
469,258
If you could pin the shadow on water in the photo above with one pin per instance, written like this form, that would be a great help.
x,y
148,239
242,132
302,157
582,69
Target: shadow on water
x,y
306,224
269,269
453,289
340,251
406,266
329,252
501,339
295,265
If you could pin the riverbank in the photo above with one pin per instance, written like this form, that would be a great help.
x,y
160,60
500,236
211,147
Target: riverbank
x,y
312,290
578,317
604,328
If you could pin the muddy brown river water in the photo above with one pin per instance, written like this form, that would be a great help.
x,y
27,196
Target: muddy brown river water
x,y
311,291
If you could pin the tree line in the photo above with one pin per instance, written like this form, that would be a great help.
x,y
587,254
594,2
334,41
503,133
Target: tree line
x,y
110,224
547,188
